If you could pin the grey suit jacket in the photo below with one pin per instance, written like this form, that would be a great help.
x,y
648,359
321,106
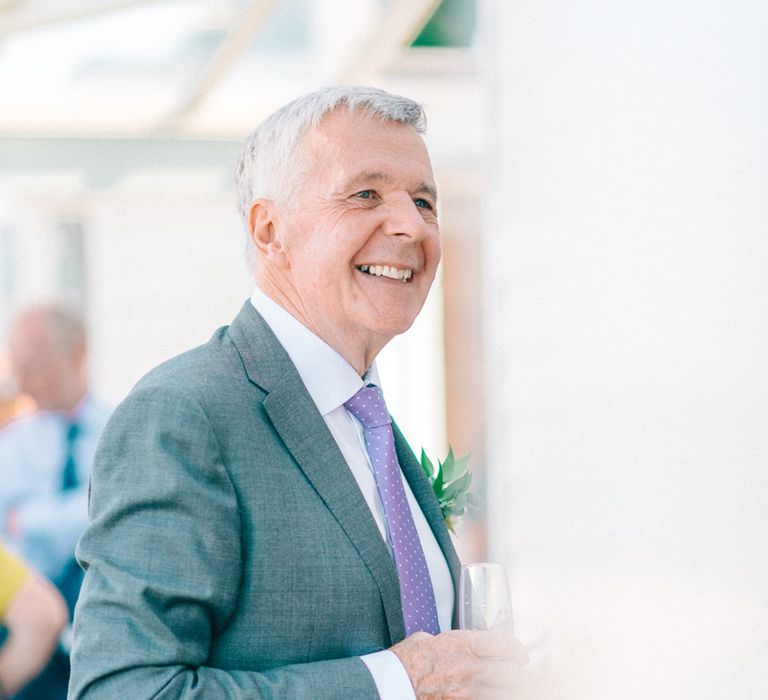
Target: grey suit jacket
x,y
230,552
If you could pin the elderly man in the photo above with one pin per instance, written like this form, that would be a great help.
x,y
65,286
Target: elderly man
x,y
45,458
259,527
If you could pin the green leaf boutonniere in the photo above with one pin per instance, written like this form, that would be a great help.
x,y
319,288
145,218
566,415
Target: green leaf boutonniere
x,y
450,482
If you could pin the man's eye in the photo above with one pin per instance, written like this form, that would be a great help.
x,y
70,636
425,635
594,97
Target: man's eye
x,y
423,203
365,194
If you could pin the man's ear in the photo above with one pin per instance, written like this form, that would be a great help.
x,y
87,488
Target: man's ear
x,y
263,224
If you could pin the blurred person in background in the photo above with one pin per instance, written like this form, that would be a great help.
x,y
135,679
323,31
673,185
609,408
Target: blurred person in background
x,y
46,457
33,615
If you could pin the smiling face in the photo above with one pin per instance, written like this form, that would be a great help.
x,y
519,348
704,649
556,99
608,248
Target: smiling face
x,y
353,252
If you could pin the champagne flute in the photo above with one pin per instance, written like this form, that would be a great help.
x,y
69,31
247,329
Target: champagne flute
x,y
484,601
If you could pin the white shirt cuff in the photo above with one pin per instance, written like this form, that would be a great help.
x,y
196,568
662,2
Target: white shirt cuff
x,y
392,682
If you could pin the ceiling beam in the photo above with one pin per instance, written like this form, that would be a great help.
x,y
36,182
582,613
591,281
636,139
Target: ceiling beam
x,y
102,162
242,32
400,26
33,14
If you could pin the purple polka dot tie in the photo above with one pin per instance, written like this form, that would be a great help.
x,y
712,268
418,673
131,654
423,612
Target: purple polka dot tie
x,y
416,594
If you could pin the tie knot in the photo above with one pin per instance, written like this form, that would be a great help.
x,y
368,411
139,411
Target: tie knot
x,y
368,406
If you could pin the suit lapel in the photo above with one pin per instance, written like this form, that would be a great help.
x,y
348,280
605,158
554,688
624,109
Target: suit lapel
x,y
306,436
428,502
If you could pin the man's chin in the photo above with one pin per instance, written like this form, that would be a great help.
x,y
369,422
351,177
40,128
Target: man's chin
x,y
389,328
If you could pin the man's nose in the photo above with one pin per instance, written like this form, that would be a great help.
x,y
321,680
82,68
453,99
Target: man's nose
x,y
405,219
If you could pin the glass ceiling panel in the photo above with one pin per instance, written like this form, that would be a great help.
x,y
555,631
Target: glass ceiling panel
x,y
123,61
140,37
164,65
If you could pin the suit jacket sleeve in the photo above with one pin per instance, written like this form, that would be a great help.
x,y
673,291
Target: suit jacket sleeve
x,y
164,558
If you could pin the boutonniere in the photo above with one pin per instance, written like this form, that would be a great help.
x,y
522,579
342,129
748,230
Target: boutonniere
x,y
450,481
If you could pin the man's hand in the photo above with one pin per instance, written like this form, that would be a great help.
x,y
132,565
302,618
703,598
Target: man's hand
x,y
461,664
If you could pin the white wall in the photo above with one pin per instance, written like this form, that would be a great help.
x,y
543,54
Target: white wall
x,y
627,318
166,269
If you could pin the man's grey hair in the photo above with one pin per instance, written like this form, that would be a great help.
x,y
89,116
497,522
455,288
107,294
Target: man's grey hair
x,y
267,161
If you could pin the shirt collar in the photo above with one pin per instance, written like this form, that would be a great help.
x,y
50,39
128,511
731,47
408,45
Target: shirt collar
x,y
80,413
329,378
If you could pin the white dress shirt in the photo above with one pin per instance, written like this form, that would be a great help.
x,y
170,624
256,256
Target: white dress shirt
x,y
330,381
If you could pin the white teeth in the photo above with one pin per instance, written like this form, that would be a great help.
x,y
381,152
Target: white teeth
x,y
387,271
